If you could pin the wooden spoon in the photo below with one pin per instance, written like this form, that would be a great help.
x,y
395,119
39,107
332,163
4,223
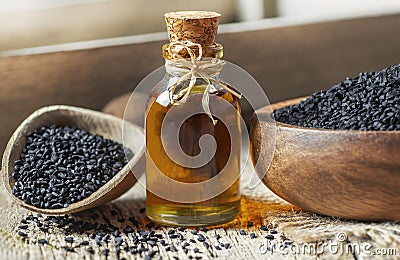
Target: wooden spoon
x,y
348,174
94,122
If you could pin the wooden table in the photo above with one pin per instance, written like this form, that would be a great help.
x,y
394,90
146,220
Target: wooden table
x,y
259,207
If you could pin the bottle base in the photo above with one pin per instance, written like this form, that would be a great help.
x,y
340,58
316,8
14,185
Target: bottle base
x,y
193,215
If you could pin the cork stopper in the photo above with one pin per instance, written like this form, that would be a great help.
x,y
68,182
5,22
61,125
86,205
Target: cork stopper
x,y
195,26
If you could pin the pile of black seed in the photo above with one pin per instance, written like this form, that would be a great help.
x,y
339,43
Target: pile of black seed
x,y
370,101
110,237
61,165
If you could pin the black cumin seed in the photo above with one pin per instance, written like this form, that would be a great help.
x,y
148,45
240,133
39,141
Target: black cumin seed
x,y
204,229
367,102
151,243
150,225
22,234
252,235
181,229
69,249
84,243
42,241
242,232
53,169
90,250
173,236
201,238
287,242
44,229
264,228
269,237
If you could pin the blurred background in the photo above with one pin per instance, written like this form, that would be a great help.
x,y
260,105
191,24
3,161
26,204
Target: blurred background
x,y
28,23
92,53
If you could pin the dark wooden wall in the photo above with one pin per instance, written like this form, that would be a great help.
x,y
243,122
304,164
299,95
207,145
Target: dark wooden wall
x,y
288,62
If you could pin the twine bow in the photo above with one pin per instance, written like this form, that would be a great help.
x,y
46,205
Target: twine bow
x,y
193,69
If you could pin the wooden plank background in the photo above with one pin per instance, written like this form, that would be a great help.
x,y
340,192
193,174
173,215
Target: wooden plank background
x,y
288,62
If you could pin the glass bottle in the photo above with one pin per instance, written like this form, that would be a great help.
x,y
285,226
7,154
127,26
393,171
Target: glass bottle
x,y
179,192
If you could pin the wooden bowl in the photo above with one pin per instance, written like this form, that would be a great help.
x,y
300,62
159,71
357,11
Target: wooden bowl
x,y
94,122
347,174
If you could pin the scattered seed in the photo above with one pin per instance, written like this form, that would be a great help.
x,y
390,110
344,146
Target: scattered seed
x,y
269,237
201,238
69,249
151,243
252,235
287,242
150,255
90,250
42,241
242,232
181,229
150,225
22,234
204,229
264,228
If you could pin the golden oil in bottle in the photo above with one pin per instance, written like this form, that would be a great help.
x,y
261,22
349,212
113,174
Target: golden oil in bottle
x,y
178,192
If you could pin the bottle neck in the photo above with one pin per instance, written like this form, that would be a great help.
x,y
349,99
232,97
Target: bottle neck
x,y
208,51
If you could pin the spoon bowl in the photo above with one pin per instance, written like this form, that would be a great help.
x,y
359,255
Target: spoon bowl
x,y
94,122
342,173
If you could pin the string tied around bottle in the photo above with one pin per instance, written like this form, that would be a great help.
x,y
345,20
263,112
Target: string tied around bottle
x,y
197,67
